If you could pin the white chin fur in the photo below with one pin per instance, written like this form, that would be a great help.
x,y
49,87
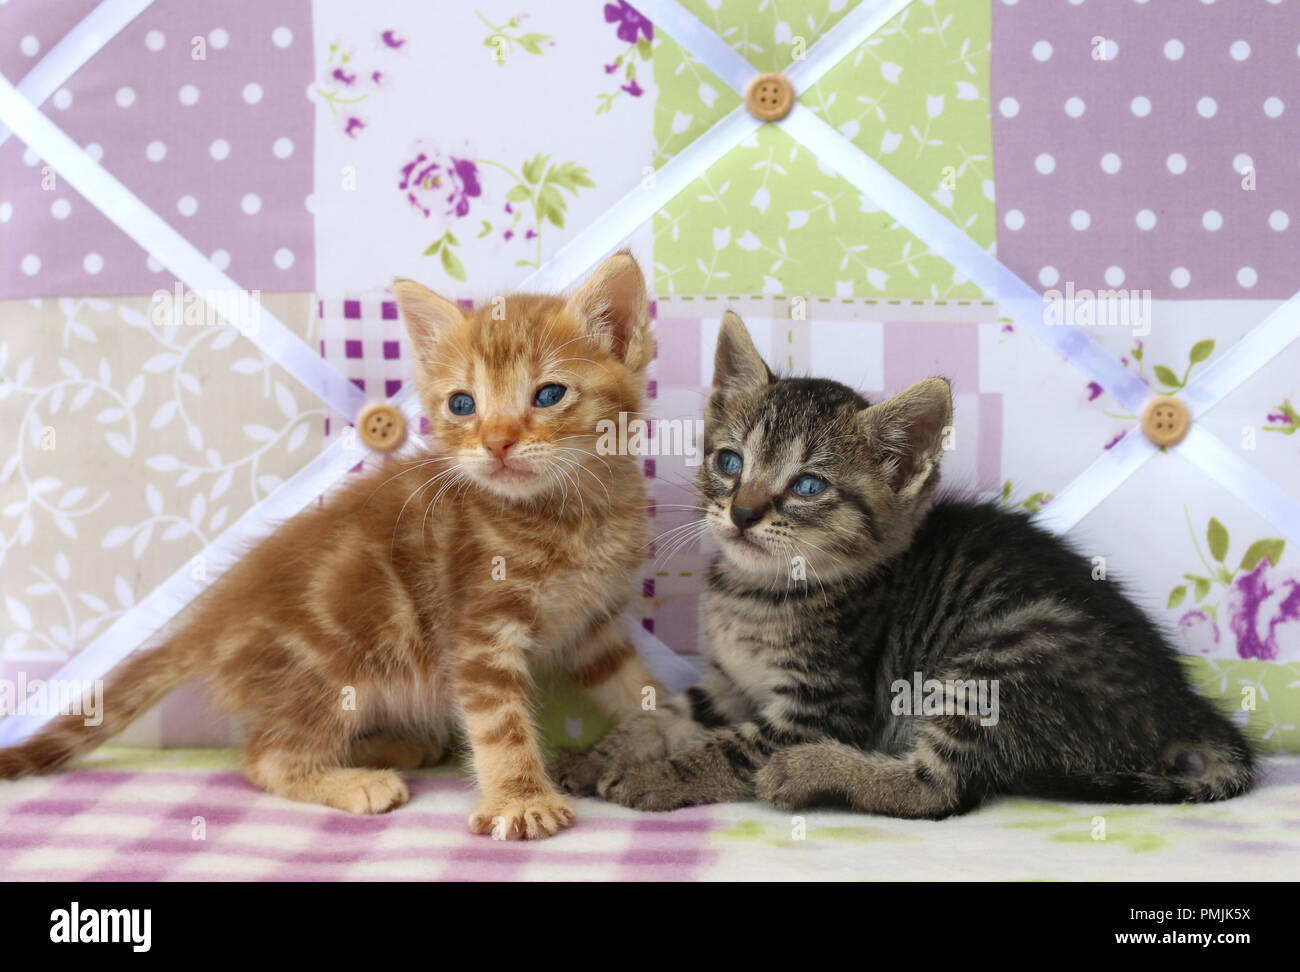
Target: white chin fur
x,y
745,557
514,487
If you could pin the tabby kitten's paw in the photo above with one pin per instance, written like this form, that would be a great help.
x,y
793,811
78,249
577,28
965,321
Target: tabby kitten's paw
x,y
645,787
576,772
793,778
365,791
531,818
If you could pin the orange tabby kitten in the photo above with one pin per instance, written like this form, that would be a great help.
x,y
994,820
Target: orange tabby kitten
x,y
422,596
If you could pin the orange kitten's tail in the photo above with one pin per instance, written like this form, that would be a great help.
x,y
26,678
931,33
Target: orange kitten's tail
x,y
132,688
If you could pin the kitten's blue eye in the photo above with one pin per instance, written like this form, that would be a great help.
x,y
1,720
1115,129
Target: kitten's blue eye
x,y
729,463
461,404
548,395
809,485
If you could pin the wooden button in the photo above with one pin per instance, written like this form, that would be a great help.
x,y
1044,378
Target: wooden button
x,y
381,426
769,96
1166,420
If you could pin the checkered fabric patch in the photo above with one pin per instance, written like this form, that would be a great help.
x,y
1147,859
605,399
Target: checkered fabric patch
x,y
189,815
180,824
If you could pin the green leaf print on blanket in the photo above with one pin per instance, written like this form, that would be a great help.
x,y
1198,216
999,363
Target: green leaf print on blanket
x,y
1138,831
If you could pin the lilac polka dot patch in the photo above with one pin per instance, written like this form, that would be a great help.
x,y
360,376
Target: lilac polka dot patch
x,y
1145,151
198,109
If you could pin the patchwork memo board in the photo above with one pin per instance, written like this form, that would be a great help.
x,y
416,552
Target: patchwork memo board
x,y
947,166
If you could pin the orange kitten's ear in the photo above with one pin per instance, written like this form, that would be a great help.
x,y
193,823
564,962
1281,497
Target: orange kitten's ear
x,y
427,315
613,305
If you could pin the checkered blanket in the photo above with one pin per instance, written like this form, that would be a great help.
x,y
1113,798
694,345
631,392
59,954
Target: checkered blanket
x,y
189,815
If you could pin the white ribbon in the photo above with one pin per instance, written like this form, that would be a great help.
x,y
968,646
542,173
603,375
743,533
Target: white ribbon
x,y
1235,474
673,671
82,43
169,598
620,221
1226,373
1106,473
174,252
1020,301
857,26
698,41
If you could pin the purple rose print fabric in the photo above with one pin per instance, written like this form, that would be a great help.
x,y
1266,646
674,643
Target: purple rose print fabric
x,y
1141,150
1262,605
200,111
632,26
451,182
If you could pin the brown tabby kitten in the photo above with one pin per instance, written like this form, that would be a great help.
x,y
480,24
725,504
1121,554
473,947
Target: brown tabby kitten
x,y
422,597
1040,679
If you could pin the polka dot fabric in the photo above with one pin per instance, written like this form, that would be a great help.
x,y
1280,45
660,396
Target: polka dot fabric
x,y
1134,149
201,111
29,28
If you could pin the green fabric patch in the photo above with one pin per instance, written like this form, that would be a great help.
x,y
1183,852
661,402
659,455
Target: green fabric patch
x,y
1268,692
915,97
691,98
770,34
566,717
767,218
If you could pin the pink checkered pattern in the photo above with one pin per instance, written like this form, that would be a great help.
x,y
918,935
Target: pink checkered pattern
x,y
364,338
120,825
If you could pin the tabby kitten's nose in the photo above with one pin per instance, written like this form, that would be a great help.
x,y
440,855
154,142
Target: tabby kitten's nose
x,y
744,516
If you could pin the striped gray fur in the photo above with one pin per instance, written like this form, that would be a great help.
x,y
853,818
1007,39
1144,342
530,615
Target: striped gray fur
x,y
799,704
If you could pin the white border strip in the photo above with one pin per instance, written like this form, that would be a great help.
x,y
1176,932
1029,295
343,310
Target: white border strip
x,y
70,55
173,251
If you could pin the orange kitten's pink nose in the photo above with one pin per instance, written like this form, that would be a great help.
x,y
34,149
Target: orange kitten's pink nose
x,y
498,447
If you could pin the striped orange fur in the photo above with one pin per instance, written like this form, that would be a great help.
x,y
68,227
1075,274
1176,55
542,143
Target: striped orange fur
x,y
423,597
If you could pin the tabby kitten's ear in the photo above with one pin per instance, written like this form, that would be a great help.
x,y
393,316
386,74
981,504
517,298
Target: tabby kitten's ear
x,y
612,306
428,317
907,433
737,365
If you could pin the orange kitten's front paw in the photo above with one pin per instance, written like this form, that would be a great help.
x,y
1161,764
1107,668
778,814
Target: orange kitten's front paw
x,y
366,791
531,818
